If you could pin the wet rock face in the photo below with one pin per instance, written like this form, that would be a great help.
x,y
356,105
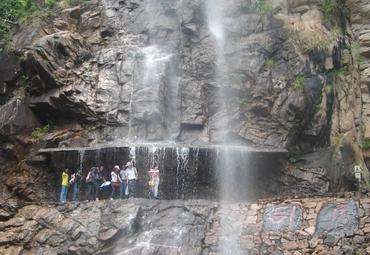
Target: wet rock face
x,y
147,70
111,227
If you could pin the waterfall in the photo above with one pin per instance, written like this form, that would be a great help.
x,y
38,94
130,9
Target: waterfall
x,y
182,156
81,155
228,171
154,96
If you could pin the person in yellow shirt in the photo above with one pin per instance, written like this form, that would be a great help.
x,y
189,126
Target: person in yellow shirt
x,y
64,189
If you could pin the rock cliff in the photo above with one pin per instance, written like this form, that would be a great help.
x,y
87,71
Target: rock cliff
x,y
137,71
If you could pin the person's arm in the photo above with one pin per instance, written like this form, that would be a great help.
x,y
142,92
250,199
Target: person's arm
x,y
136,175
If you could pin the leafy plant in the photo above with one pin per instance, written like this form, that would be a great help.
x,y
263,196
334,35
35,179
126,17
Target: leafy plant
x,y
329,8
329,89
298,83
339,73
37,133
262,6
366,144
14,12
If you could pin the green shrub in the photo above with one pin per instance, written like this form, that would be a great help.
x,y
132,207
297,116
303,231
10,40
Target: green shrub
x,y
366,144
262,6
37,133
329,89
339,73
356,53
298,83
317,43
13,12
329,8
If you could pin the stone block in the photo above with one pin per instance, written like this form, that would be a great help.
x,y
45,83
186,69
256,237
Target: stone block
x,y
338,219
282,217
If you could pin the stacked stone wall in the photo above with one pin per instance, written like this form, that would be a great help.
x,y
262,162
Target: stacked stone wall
x,y
296,226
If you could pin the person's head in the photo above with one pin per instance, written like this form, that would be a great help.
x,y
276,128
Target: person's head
x,y
116,168
128,164
66,171
79,172
101,168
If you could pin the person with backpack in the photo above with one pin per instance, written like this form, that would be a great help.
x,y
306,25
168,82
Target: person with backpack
x,y
115,182
90,184
98,180
64,188
75,182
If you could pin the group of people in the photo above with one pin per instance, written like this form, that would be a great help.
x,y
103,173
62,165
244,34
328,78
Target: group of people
x,y
121,183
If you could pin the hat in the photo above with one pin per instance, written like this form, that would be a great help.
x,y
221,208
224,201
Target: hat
x,y
116,167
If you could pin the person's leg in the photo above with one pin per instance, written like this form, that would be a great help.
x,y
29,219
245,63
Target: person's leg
x,y
74,194
78,191
122,190
130,193
94,191
61,194
133,187
116,193
89,191
156,189
112,193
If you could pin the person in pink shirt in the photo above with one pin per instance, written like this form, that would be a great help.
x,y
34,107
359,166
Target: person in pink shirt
x,y
154,180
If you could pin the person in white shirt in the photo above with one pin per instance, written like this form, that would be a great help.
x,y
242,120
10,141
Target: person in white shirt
x,y
131,177
116,182
123,175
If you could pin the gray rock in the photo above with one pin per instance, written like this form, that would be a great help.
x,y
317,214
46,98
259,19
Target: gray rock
x,y
282,217
336,220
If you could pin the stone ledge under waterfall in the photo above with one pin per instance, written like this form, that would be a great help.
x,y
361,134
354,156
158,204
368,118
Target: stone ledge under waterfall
x,y
185,172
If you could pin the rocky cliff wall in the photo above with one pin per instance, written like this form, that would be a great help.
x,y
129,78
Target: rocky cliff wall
x,y
297,226
147,70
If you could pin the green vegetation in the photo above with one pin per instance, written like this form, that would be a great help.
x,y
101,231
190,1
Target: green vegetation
x,y
356,53
329,8
366,144
329,89
262,6
339,73
298,83
37,133
318,43
15,12
337,143
24,80
269,64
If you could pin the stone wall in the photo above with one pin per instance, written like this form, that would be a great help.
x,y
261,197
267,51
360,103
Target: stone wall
x,y
295,226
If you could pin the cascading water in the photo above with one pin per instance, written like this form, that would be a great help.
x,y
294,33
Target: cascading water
x,y
229,180
154,96
81,155
181,170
